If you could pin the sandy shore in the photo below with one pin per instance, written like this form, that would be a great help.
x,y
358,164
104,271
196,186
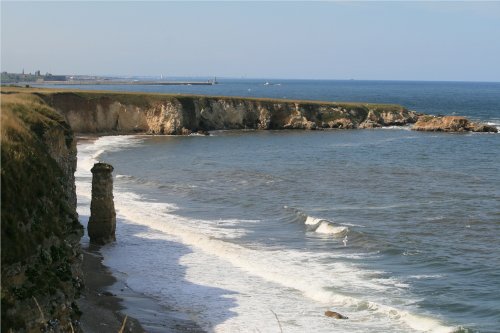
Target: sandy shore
x,y
106,301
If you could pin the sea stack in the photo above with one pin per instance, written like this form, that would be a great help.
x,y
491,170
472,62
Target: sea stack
x,y
102,222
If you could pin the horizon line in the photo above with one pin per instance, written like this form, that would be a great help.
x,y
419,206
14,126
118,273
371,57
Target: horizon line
x,y
166,77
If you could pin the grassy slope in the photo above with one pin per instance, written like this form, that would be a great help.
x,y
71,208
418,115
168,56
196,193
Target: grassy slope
x,y
35,209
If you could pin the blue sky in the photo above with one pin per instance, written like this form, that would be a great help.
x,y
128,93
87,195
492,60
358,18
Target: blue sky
x,y
316,40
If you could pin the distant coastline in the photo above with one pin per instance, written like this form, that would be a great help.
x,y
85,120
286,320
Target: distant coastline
x,y
133,82
50,79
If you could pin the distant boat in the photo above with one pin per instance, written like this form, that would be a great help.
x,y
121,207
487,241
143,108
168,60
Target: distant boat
x,y
267,83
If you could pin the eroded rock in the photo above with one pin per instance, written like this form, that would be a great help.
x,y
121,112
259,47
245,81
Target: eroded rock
x,y
343,123
450,124
102,222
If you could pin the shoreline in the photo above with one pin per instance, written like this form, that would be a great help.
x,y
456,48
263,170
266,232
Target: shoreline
x,y
101,310
106,300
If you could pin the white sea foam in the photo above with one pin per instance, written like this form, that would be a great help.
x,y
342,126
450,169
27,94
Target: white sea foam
x,y
426,276
405,127
283,269
495,123
312,220
124,177
89,152
322,226
329,228
227,287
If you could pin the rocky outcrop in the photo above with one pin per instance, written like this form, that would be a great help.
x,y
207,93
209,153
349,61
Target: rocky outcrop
x,y
450,124
41,260
102,221
336,315
100,112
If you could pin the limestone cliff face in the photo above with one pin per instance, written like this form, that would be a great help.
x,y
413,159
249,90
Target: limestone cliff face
x,y
170,114
41,274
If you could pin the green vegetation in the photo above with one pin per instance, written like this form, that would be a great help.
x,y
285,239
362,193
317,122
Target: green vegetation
x,y
35,208
33,197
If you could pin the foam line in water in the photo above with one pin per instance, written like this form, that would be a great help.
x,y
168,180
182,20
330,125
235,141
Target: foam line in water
x,y
273,267
89,152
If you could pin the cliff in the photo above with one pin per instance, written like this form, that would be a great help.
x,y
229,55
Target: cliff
x,y
102,112
122,113
41,275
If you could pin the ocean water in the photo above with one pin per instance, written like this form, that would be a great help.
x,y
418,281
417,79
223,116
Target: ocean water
x,y
257,231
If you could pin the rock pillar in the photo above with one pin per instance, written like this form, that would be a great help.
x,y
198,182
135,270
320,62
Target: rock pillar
x,y
102,222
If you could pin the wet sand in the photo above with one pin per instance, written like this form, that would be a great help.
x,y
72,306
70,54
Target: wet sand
x,y
106,301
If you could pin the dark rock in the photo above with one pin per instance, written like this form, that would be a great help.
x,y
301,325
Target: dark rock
x,y
479,127
335,315
202,132
107,293
102,222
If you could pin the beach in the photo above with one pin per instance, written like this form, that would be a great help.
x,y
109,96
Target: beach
x,y
107,304
101,309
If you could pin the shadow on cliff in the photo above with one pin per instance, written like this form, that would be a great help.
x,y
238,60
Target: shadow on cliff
x,y
148,263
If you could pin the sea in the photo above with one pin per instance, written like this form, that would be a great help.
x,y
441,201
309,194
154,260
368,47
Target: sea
x,y
264,231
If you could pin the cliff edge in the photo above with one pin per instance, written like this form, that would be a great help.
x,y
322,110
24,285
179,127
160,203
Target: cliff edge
x,y
41,259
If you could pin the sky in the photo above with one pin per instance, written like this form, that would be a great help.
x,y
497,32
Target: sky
x,y
445,41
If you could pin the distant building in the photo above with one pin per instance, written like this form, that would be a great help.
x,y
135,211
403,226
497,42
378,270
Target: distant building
x,y
37,73
50,77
